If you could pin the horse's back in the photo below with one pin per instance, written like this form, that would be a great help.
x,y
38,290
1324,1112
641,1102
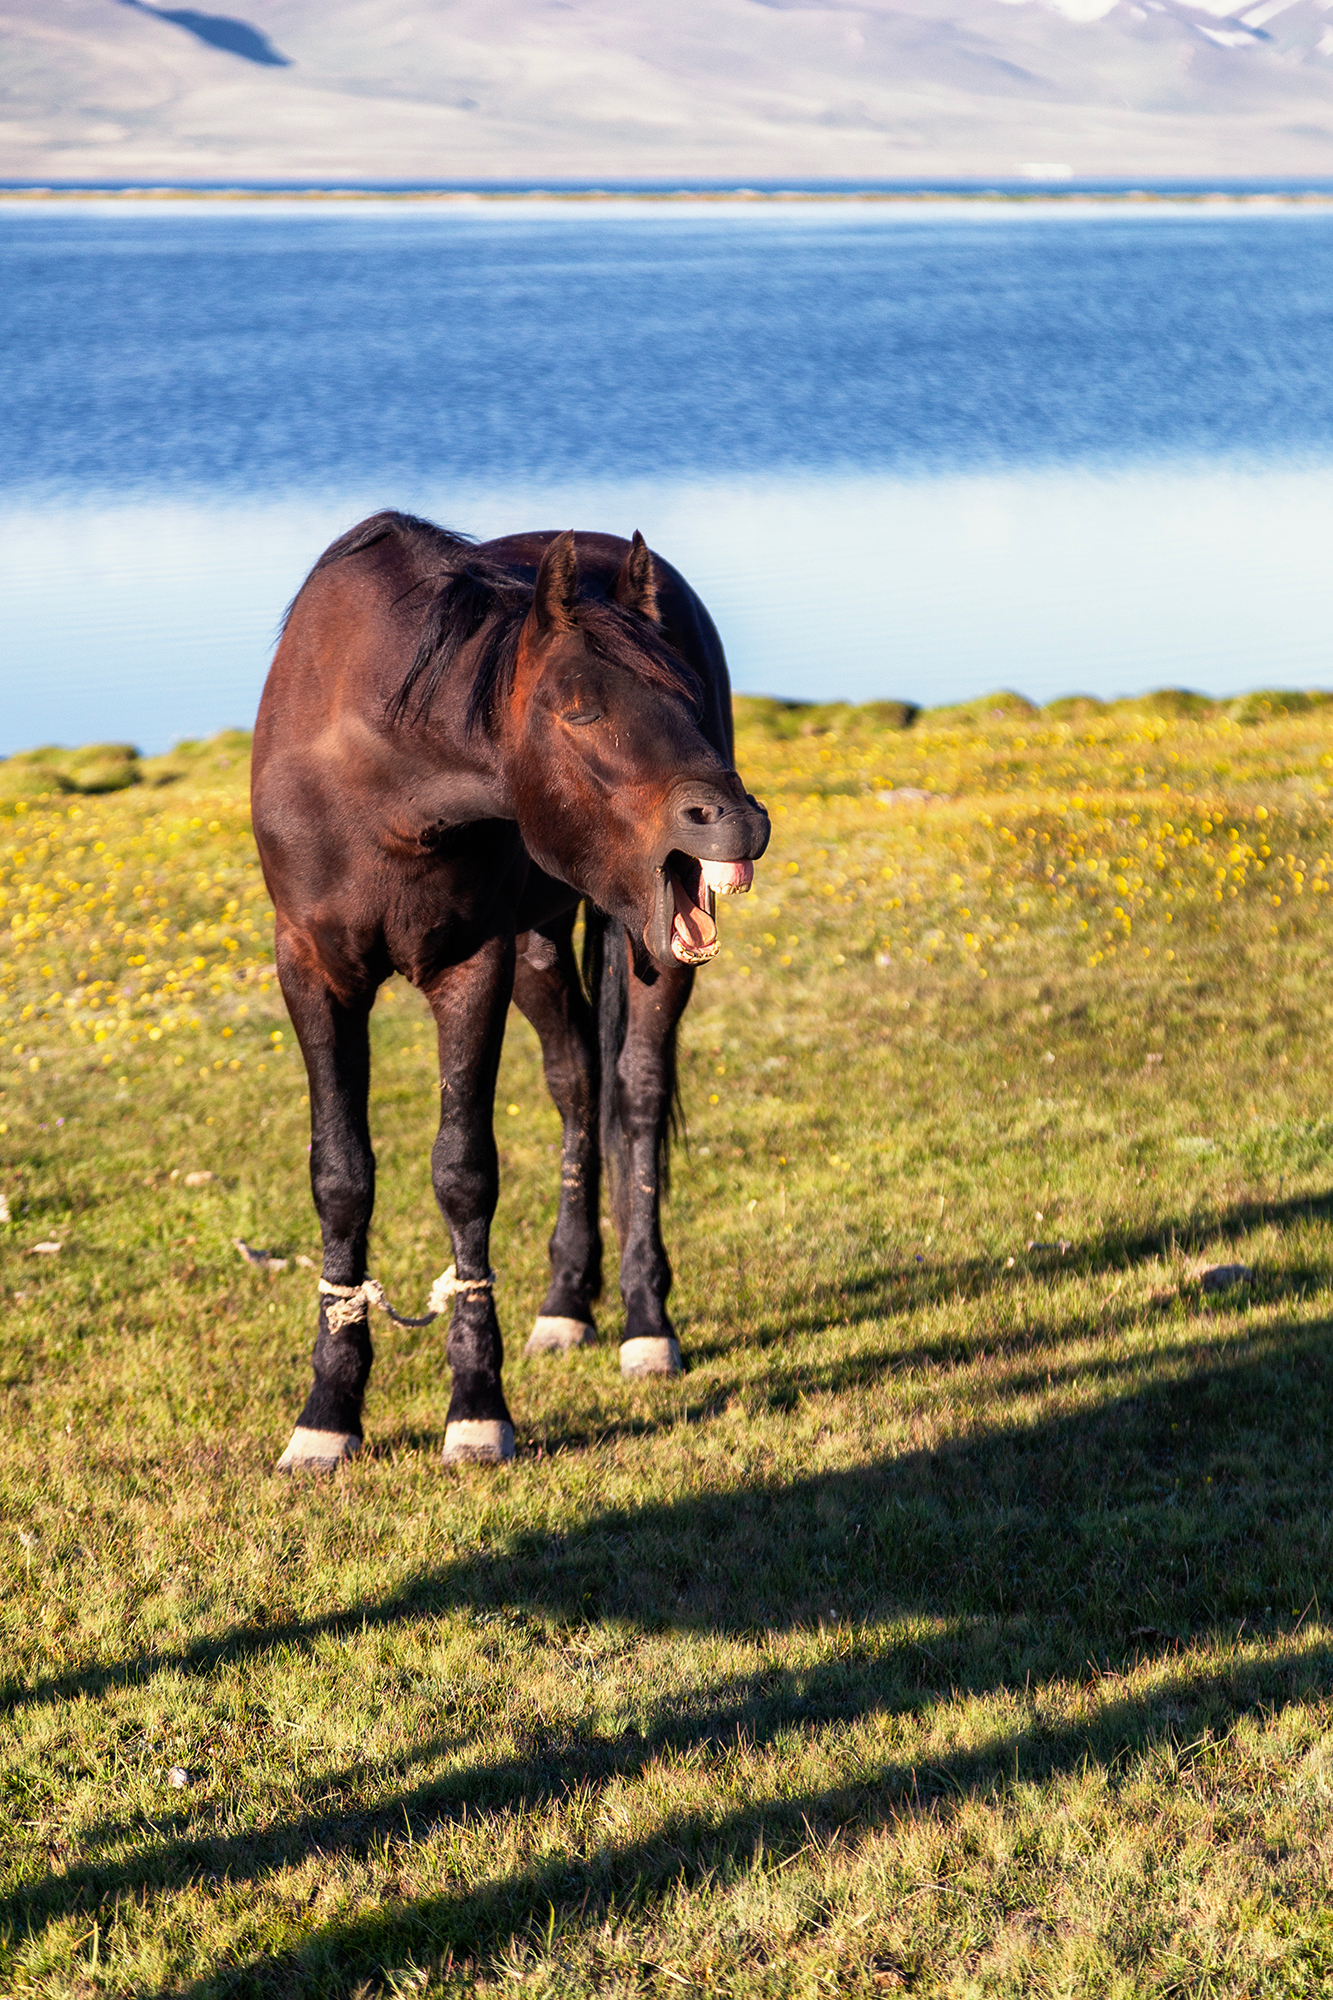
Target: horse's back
x,y
352,626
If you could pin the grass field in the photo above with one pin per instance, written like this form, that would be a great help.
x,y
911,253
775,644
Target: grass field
x,y
958,1623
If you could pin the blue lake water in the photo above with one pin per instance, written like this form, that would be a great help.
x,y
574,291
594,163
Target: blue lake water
x,y
902,449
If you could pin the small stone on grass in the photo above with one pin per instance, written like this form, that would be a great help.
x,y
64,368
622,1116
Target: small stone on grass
x,y
1220,1277
267,1260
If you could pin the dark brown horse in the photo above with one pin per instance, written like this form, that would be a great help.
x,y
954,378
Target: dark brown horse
x,y
455,746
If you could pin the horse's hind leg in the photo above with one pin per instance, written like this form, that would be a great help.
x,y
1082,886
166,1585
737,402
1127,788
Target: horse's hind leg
x,y
335,1041
546,987
469,1002
642,1092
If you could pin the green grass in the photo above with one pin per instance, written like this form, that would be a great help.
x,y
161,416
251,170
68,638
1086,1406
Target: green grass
x,y
958,1623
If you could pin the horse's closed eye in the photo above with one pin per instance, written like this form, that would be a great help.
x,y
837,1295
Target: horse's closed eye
x,y
579,716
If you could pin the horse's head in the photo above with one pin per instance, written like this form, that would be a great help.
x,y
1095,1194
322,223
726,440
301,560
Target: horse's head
x,y
617,790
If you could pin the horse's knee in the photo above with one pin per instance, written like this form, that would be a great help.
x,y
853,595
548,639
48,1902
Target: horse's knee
x,y
344,1192
642,1131
464,1187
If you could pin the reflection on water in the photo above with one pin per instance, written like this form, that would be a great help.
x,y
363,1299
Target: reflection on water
x,y
905,450
859,586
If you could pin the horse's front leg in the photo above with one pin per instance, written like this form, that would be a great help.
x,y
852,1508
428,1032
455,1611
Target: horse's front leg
x,y
546,987
469,1002
644,1085
335,1041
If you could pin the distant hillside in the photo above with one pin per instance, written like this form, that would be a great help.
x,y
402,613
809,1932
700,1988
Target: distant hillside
x,y
455,89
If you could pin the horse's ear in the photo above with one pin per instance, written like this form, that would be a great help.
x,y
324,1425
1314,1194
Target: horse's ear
x,y
635,588
557,585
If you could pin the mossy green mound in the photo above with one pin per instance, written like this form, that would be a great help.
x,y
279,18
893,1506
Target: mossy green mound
x,y
1268,704
1074,708
96,767
1003,706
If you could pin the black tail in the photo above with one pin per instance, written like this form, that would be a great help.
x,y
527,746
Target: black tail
x,y
606,978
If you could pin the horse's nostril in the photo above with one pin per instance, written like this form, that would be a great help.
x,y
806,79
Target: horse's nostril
x,y
703,815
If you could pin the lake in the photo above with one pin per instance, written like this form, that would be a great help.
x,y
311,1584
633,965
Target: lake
x,y
914,449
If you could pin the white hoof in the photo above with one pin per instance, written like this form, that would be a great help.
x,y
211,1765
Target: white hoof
x,y
478,1441
651,1355
318,1451
552,1334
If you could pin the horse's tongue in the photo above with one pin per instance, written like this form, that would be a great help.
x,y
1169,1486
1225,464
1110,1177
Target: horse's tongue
x,y
693,932
727,878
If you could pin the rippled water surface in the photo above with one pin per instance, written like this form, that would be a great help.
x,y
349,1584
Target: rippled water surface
x,y
901,449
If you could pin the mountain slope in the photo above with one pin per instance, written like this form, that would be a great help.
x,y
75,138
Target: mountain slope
x,y
458,89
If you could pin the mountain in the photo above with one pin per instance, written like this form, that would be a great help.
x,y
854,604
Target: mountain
x,y
582,89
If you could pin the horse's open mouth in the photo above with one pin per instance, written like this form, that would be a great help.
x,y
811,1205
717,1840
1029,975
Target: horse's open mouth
x,y
694,884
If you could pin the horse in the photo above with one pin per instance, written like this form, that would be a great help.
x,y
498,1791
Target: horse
x,y
458,746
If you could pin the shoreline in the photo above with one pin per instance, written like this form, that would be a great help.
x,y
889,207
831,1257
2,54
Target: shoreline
x,y
118,765
979,195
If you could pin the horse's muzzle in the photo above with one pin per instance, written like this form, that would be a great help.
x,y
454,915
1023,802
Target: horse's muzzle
x,y
713,834
714,825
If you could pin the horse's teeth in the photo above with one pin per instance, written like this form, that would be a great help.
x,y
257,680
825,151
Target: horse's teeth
x,y
727,878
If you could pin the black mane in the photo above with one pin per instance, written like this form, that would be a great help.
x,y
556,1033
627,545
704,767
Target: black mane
x,y
478,596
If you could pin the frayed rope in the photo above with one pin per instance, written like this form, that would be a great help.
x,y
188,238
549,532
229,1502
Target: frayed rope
x,y
348,1303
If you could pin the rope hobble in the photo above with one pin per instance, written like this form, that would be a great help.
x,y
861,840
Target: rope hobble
x,y
349,1303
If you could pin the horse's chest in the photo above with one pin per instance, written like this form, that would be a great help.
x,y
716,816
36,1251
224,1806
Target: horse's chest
x,y
462,879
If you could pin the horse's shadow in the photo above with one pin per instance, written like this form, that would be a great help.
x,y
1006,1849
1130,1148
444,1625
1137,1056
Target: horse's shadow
x,y
690,1848
904,1287
750,1711
1155,1514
